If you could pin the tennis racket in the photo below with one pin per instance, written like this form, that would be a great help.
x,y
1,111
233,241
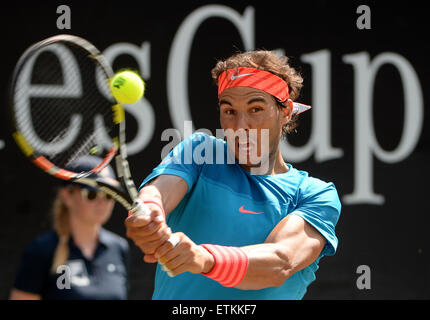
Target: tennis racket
x,y
62,108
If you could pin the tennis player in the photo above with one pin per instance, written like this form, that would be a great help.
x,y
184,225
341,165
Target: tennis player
x,y
240,229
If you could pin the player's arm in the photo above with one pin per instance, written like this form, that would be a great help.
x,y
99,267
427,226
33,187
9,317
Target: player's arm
x,y
17,294
166,190
291,246
161,195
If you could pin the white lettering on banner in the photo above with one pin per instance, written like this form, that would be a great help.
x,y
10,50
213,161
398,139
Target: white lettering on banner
x,y
177,67
142,110
71,88
365,142
320,140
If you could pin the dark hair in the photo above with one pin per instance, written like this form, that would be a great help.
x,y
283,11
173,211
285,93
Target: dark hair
x,y
267,61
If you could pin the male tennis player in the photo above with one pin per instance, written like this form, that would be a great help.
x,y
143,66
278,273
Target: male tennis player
x,y
244,229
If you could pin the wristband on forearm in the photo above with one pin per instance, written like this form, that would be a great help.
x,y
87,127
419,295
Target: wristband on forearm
x,y
230,266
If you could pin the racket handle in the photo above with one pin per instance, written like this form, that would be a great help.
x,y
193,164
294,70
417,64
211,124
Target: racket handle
x,y
140,208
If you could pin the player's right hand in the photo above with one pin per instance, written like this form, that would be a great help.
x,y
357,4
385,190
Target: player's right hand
x,y
148,232
185,256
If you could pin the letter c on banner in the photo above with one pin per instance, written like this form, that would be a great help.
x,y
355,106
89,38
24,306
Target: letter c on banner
x,y
177,67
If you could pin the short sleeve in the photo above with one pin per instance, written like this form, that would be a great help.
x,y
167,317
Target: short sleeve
x,y
319,205
186,159
34,268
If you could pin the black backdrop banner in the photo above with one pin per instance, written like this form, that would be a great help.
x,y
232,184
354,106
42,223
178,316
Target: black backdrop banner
x,y
366,74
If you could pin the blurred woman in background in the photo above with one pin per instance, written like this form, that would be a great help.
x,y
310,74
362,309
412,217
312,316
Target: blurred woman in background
x,y
79,259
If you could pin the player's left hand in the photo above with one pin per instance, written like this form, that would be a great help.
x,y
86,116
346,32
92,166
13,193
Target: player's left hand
x,y
148,232
186,256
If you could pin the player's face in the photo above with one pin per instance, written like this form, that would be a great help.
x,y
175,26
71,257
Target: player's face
x,y
255,115
88,207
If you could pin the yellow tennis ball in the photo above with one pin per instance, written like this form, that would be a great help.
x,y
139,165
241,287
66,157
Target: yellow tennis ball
x,y
127,87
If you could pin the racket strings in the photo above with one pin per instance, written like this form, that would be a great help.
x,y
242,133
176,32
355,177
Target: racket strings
x,y
60,92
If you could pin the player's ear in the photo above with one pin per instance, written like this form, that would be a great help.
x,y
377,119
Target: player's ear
x,y
287,111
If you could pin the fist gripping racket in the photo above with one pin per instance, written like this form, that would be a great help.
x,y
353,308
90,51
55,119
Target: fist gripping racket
x,y
62,108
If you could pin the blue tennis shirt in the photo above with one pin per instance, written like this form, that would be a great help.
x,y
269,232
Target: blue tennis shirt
x,y
229,206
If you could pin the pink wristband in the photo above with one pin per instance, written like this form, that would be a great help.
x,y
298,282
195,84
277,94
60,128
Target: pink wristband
x,y
230,266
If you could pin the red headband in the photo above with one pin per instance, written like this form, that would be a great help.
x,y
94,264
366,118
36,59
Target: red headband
x,y
258,79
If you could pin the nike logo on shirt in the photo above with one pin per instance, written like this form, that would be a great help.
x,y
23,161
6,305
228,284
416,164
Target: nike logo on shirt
x,y
242,210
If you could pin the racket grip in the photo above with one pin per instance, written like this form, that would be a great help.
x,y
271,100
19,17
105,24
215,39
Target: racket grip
x,y
140,208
